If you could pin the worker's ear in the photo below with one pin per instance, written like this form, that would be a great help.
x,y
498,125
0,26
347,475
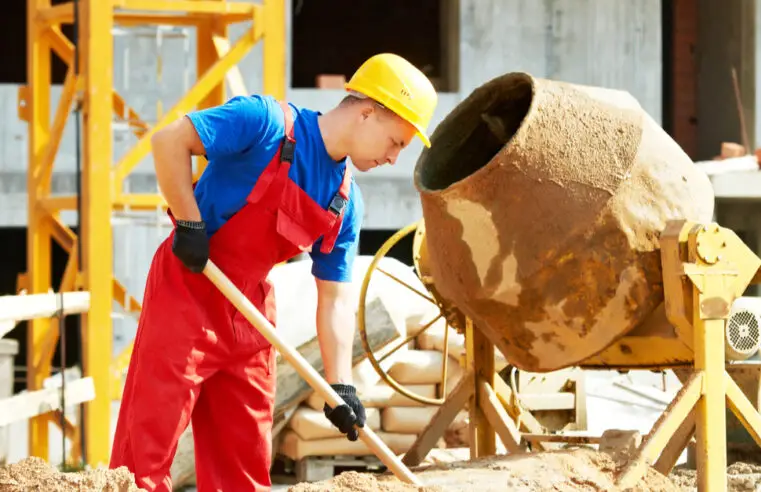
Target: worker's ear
x,y
367,110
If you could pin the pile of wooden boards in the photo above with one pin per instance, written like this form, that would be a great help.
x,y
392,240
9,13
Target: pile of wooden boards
x,y
397,419
316,447
50,397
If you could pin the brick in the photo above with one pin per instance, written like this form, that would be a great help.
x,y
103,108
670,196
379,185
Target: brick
x,y
731,149
621,445
327,81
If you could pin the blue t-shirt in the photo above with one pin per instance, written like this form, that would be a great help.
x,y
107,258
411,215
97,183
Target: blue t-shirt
x,y
240,138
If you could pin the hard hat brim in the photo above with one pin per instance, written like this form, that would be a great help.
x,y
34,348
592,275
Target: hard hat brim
x,y
422,136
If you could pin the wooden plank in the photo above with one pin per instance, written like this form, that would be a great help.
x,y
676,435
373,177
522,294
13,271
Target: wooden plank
x,y
30,306
498,418
277,430
562,438
444,416
678,442
292,389
526,421
548,401
31,404
480,358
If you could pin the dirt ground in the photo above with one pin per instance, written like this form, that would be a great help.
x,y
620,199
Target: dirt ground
x,y
562,471
582,470
35,475
741,477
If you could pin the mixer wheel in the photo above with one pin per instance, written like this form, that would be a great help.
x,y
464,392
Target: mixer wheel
x,y
429,296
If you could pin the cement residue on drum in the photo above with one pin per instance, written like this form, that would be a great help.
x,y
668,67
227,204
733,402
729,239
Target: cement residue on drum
x,y
577,186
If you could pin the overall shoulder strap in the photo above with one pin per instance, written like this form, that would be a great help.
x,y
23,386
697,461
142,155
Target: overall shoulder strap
x,y
338,208
287,147
282,159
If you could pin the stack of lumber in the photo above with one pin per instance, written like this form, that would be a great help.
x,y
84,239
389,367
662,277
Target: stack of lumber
x,y
397,419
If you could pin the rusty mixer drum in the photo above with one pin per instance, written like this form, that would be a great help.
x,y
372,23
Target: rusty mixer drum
x,y
543,203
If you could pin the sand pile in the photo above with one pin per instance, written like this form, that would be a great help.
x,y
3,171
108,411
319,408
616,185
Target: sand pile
x,y
741,477
36,475
568,470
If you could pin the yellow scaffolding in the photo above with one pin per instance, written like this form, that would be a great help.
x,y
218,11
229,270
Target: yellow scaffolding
x,y
89,84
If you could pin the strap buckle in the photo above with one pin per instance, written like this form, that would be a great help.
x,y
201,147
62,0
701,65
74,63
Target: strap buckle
x,y
337,204
287,152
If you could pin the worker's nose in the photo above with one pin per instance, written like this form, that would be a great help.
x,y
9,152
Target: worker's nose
x,y
392,156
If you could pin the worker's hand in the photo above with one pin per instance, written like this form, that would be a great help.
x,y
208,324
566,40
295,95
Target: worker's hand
x,y
191,244
345,416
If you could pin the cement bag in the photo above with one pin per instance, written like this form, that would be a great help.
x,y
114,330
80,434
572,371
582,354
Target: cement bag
x,y
543,203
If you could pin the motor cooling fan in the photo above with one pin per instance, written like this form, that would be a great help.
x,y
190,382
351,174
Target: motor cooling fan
x,y
743,329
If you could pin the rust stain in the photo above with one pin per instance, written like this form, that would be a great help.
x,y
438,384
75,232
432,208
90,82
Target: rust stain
x,y
715,307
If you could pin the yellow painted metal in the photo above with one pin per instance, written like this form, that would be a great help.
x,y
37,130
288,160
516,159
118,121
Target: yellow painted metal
x,y
96,43
192,98
274,48
102,183
705,268
37,109
139,201
479,357
206,56
58,14
663,430
187,6
234,75
361,323
743,409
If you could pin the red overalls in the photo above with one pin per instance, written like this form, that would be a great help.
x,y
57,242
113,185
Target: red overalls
x,y
197,358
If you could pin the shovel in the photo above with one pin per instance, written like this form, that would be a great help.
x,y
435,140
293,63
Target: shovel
x,y
304,369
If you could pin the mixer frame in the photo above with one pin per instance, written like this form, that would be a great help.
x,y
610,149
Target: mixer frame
x,y
705,268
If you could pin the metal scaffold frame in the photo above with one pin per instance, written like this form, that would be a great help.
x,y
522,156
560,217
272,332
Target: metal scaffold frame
x,y
88,87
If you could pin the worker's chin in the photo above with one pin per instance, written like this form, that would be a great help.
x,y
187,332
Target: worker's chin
x,y
364,166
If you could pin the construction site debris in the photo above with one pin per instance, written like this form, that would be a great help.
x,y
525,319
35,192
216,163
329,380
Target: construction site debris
x,y
35,475
741,477
543,203
732,149
567,470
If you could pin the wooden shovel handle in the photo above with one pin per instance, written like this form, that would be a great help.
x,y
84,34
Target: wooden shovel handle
x,y
304,369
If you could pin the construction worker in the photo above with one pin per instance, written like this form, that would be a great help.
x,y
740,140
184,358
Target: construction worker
x,y
277,183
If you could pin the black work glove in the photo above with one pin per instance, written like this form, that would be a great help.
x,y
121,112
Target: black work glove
x,y
345,416
191,244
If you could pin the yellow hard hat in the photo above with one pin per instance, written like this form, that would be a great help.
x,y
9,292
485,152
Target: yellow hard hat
x,y
399,86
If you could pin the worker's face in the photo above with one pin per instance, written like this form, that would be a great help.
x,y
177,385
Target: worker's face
x,y
378,138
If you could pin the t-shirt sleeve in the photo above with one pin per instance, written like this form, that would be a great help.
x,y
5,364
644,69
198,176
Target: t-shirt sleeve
x,y
337,266
233,127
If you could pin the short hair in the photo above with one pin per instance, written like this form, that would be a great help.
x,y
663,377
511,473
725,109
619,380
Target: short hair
x,y
354,97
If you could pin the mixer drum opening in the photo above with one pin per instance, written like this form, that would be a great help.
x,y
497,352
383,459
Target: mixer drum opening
x,y
543,204
483,128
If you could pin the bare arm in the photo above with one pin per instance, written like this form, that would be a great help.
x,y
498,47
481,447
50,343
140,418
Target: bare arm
x,y
335,329
173,147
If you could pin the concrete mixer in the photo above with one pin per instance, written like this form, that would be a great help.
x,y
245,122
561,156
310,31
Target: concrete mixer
x,y
563,227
